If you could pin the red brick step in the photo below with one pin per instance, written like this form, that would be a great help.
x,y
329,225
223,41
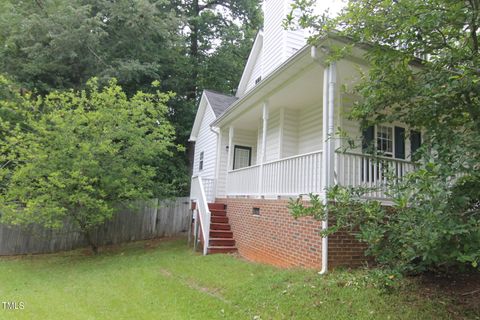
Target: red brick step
x,y
218,213
219,219
216,206
221,242
221,249
221,234
219,226
221,237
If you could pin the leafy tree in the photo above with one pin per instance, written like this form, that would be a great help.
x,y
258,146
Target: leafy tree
x,y
436,220
83,154
186,44
221,31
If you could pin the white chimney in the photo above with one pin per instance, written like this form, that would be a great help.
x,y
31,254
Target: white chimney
x,y
279,44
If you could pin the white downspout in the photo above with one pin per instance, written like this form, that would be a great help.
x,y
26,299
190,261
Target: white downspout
x,y
332,83
326,77
329,84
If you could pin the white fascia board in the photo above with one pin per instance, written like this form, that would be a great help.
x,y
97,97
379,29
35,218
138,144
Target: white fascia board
x,y
202,107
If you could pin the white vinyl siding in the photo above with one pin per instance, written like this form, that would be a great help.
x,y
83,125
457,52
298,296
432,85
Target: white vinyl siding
x,y
279,44
206,143
290,133
276,46
273,137
273,41
350,127
310,134
256,73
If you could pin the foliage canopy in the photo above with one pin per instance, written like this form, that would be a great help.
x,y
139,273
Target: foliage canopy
x,y
78,155
436,217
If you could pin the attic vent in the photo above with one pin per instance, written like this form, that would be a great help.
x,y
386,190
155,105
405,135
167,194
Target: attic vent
x,y
258,80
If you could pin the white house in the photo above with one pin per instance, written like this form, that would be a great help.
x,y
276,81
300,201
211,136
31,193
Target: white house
x,y
277,138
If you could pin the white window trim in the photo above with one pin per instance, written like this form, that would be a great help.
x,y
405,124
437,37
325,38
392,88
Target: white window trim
x,y
201,161
393,138
251,155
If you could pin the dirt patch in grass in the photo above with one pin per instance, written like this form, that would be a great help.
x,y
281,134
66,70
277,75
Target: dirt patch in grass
x,y
213,292
134,245
463,289
210,291
166,273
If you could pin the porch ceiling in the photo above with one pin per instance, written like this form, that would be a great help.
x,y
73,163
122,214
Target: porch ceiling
x,y
300,91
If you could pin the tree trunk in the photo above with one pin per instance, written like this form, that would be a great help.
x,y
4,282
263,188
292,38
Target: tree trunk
x,y
194,38
91,243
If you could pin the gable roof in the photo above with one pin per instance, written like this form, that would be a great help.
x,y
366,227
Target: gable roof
x,y
215,101
252,60
219,101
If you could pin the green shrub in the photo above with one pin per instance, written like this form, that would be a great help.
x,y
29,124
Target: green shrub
x,y
433,225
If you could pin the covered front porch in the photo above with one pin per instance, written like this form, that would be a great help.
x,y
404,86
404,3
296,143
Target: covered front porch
x,y
285,144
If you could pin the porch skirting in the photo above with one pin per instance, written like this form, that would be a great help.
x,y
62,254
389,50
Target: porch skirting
x,y
271,235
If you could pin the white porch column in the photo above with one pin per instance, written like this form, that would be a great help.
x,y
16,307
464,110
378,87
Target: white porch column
x,y
217,160
263,153
231,131
328,155
281,133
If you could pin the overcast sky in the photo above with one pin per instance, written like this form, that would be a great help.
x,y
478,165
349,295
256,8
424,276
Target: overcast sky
x,y
333,6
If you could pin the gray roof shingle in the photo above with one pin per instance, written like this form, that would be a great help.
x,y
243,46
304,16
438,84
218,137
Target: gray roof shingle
x,y
219,101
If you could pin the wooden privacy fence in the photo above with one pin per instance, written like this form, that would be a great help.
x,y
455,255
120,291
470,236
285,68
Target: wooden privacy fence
x,y
150,219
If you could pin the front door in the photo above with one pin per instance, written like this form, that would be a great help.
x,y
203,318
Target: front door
x,y
242,157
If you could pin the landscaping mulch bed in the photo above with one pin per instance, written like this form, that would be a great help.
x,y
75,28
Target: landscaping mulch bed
x,y
462,289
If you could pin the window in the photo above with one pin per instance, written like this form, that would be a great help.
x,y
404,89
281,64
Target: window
x,y
257,81
200,163
242,157
385,140
388,141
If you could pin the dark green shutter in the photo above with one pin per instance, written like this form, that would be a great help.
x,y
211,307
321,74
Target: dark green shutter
x,y
368,137
415,141
399,142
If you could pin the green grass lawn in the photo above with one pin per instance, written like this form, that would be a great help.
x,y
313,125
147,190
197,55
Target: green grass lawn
x,y
167,280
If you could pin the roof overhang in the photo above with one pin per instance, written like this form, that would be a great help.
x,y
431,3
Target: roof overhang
x,y
294,65
272,82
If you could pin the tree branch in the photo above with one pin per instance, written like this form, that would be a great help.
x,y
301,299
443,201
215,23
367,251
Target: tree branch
x,y
213,3
473,26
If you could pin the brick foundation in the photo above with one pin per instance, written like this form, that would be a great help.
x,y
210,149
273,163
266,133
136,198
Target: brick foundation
x,y
276,238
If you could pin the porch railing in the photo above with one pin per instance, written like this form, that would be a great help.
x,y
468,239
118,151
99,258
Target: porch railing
x,y
357,170
289,176
209,188
243,181
202,211
293,175
302,174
